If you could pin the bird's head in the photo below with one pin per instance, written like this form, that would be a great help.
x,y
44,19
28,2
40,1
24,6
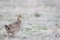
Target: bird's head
x,y
19,17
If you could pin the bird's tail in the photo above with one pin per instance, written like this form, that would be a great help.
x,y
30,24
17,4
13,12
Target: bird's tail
x,y
6,27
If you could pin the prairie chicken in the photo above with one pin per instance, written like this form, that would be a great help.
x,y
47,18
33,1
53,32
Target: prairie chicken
x,y
14,27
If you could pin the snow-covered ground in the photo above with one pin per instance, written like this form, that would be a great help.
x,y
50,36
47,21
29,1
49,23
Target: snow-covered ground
x,y
40,19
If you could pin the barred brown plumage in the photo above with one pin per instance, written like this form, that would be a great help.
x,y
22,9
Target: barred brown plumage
x,y
14,27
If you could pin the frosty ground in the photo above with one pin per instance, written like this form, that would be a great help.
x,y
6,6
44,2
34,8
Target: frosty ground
x,y
40,19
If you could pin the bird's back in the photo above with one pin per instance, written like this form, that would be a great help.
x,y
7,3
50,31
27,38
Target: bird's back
x,y
14,27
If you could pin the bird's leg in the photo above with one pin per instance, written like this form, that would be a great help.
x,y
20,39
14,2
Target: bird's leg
x,y
8,35
12,34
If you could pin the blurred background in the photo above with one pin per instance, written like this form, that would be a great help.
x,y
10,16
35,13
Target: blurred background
x,y
40,19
